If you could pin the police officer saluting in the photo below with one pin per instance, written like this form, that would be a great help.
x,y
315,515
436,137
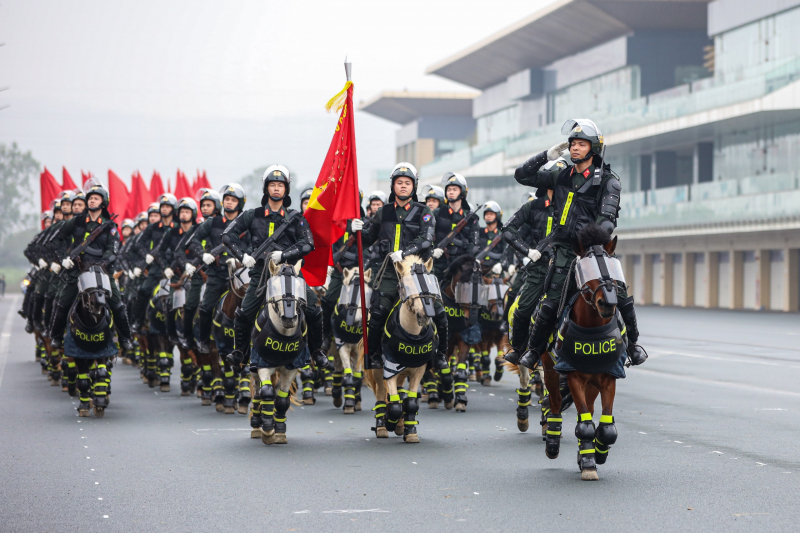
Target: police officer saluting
x,y
400,228
583,194
292,245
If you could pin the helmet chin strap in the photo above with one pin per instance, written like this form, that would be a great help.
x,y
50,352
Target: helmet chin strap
x,y
276,198
98,208
577,160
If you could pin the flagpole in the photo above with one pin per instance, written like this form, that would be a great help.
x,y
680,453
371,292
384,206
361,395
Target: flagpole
x,y
348,72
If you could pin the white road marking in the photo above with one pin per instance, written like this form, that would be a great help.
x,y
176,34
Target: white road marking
x,y
347,511
5,341
722,358
715,382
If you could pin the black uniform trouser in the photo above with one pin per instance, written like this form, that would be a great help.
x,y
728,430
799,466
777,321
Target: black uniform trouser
x,y
216,285
526,301
144,294
193,290
329,301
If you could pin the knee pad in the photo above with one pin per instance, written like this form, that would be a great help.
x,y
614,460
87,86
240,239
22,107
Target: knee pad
x,y
411,405
102,373
585,429
164,362
207,376
266,392
306,374
606,432
229,383
447,380
282,403
394,411
186,369
84,385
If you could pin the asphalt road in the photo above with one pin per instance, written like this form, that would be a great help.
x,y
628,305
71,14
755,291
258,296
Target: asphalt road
x,y
708,431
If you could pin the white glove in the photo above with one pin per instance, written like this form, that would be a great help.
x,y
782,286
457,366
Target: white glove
x,y
397,256
556,151
148,259
189,269
534,254
67,263
42,263
137,272
357,224
168,273
231,262
497,268
275,257
330,271
55,267
208,258
130,274
526,260
511,270
437,253
248,261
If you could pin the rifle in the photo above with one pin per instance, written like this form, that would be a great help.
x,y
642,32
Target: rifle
x,y
489,247
339,253
269,245
450,237
196,262
78,250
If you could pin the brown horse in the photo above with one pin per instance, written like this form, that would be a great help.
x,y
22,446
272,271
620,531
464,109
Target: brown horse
x,y
235,381
492,331
593,308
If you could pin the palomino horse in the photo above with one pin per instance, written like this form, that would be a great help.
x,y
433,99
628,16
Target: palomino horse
x,y
347,324
409,340
279,349
464,293
235,382
88,342
590,346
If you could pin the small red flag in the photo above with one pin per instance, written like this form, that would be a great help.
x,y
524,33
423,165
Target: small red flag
x,y
66,180
139,199
49,188
156,187
85,177
182,187
201,182
118,196
334,200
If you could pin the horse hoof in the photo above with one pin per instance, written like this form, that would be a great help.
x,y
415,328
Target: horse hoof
x,y
64,389
399,429
185,393
99,412
242,409
205,402
461,407
358,406
423,398
433,405
44,371
337,401
55,383
255,433
152,383
83,412
308,401
522,425
472,377
229,410
538,390
199,393
280,438
145,380
448,404
220,408
381,433
411,437
349,410
164,388
544,432
551,455
328,391
268,437
589,474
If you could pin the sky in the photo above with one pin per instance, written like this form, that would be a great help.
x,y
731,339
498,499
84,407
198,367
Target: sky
x,y
222,86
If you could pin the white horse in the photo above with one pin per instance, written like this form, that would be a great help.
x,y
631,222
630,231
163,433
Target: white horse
x,y
349,337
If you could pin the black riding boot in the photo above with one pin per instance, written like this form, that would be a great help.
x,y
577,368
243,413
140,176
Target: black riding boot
x,y
172,329
314,324
138,311
241,339
49,303
120,315
327,328
377,320
204,326
188,327
38,312
542,327
59,326
636,353
519,334
440,359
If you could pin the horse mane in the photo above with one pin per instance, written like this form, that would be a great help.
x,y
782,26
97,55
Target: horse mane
x,y
593,235
457,266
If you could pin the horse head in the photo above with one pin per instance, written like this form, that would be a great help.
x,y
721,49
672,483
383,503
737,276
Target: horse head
x,y
286,294
418,287
350,297
94,288
597,271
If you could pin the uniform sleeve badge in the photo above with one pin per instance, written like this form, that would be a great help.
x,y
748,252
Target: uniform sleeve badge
x,y
561,164
426,217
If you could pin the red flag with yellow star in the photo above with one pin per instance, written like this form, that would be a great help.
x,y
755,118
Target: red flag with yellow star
x,y
335,198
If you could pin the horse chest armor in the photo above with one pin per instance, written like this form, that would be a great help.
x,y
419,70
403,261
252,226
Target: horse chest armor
x,y
592,350
343,332
403,347
456,317
276,349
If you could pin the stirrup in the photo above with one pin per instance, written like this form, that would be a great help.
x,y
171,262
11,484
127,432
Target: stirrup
x,y
529,359
512,356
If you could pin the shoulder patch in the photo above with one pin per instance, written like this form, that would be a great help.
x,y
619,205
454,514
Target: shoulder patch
x,y
561,164
113,231
426,217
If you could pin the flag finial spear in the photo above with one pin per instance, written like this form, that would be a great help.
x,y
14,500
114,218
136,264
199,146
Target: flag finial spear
x,y
348,68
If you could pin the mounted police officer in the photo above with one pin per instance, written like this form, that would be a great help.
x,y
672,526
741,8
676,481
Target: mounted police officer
x,y
292,245
496,256
583,194
207,237
434,197
455,209
149,240
400,228
102,251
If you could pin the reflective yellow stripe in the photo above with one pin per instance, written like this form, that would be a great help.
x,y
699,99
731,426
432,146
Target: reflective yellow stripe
x,y
396,238
606,419
346,236
583,417
590,450
272,228
282,394
394,398
565,212
550,225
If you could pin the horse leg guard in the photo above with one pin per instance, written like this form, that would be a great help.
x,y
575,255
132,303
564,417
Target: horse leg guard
x,y
486,368
585,430
229,386
219,394
471,356
281,406
359,381
307,377
207,378
336,391
267,395
536,382
460,378
523,403
244,393
431,389
553,435
394,411
604,436
410,410
349,385
100,387
380,420
187,371
566,394
327,376
446,376
204,322
499,368
165,364
255,416
84,385
72,376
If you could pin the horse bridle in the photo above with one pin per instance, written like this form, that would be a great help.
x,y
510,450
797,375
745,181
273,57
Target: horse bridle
x,y
352,306
426,295
607,282
288,299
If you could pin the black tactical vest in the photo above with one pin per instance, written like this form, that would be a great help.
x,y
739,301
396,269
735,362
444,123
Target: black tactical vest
x,y
396,235
577,208
263,226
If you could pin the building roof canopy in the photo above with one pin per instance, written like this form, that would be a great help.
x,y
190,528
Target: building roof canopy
x,y
403,107
562,29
